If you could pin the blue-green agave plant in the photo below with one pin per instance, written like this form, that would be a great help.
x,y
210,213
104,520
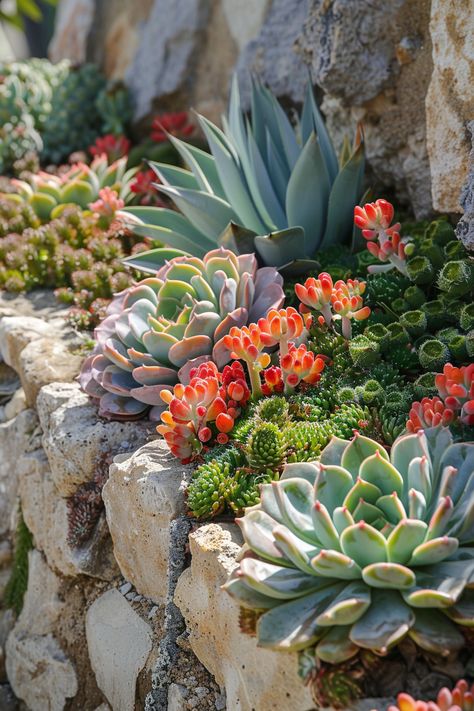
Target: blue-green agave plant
x,y
360,549
266,187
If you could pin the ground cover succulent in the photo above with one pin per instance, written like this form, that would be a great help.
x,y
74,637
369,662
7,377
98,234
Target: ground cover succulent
x,y
164,322
461,698
360,549
253,192
453,405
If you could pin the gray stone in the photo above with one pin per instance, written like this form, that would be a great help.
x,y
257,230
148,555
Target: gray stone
x,y
465,226
124,589
119,643
38,669
272,53
162,63
76,441
177,697
8,701
73,23
44,361
142,496
16,332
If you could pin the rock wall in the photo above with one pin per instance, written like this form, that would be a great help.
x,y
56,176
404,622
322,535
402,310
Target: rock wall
x,y
404,69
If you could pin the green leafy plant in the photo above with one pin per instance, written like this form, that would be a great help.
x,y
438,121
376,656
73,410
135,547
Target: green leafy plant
x,y
16,587
265,187
360,549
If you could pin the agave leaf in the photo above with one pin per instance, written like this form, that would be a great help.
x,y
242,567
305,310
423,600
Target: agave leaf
x,y
262,187
150,262
232,177
389,576
307,208
246,596
358,243
237,238
279,248
257,529
292,626
202,164
208,213
385,623
298,267
287,133
321,131
336,647
433,632
277,581
172,175
277,169
364,544
347,607
343,198
264,120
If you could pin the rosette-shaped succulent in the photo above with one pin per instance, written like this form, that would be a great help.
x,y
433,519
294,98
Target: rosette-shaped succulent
x,y
360,549
157,326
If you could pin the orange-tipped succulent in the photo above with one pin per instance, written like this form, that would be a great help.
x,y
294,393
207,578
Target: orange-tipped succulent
x,y
461,698
430,412
342,300
300,364
280,327
454,402
383,239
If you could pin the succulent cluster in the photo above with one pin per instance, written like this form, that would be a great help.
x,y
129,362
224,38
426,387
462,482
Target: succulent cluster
x,y
55,109
461,698
161,324
267,187
360,549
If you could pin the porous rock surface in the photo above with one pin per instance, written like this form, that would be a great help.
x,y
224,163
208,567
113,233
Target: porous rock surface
x,y
142,496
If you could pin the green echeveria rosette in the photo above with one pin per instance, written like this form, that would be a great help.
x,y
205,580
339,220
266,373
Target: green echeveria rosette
x,y
177,318
360,549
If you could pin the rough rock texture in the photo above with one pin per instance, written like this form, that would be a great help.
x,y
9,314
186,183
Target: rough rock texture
x,y
465,226
76,441
38,669
235,661
119,642
142,496
73,23
46,361
450,100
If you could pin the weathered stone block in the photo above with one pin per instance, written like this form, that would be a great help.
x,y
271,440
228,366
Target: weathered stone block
x,y
44,361
119,643
142,496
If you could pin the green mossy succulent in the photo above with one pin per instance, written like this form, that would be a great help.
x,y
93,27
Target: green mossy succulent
x,y
414,322
364,351
16,586
359,550
420,270
466,319
382,289
435,312
266,447
274,409
415,296
433,355
306,440
456,278
424,386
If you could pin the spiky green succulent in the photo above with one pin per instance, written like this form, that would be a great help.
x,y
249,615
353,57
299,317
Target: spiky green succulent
x,y
164,322
364,351
306,440
266,447
456,278
433,355
273,409
361,549
265,187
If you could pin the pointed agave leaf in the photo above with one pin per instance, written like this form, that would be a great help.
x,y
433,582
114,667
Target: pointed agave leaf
x,y
304,207
347,607
264,120
150,262
336,647
433,632
158,220
277,169
237,238
279,248
322,133
342,200
202,164
232,177
172,175
385,623
292,626
287,133
207,212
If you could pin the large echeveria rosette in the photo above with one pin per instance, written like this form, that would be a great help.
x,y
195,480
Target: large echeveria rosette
x,y
360,549
160,325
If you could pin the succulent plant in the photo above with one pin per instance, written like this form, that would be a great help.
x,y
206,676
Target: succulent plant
x,y
456,278
266,447
360,549
273,409
364,351
265,187
461,698
433,354
81,184
163,322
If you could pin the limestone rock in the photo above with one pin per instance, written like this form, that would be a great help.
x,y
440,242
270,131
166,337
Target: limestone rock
x,y
76,441
45,361
465,226
450,100
272,53
119,643
46,515
16,405
212,619
38,669
17,437
16,332
142,496
73,23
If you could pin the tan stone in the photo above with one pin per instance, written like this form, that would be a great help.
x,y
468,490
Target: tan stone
x,y
16,332
142,496
450,100
73,23
253,678
45,361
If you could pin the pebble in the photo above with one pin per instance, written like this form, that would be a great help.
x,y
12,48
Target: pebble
x,y
201,691
124,589
138,598
192,702
220,702
152,612
130,596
